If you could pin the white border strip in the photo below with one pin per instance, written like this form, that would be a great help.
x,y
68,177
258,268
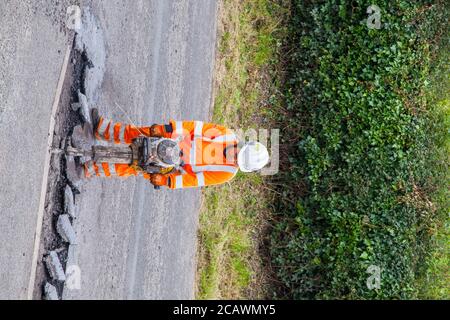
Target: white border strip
x,y
40,215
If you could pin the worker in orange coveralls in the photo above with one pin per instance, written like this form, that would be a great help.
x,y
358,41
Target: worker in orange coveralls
x,y
211,153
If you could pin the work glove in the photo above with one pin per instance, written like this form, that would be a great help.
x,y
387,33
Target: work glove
x,y
158,179
157,130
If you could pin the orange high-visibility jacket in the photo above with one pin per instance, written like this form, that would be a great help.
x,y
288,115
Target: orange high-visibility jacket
x,y
203,146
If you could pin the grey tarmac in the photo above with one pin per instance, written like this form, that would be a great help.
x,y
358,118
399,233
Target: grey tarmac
x,y
133,242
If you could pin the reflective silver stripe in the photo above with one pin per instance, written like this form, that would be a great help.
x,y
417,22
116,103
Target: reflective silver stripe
x,y
108,132
198,128
100,170
193,152
112,169
228,137
215,168
178,127
122,133
104,125
178,182
90,168
200,179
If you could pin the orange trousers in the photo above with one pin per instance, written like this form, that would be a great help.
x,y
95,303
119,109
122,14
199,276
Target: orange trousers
x,y
118,133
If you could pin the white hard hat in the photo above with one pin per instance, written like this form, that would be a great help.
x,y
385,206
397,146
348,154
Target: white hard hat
x,y
252,157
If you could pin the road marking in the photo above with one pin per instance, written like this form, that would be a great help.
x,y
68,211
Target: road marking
x,y
40,215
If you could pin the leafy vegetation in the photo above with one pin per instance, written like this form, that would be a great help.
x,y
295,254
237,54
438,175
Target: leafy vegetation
x,y
366,149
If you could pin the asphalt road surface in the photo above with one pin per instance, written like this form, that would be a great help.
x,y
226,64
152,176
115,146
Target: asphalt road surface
x,y
134,242
32,48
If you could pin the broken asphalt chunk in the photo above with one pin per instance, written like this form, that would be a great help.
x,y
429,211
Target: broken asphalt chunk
x,y
83,137
84,107
69,202
54,266
65,229
50,292
74,175
75,106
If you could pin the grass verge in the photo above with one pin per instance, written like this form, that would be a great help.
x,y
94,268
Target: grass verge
x,y
233,219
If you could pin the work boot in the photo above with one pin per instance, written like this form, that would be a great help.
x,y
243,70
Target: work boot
x,y
82,137
95,118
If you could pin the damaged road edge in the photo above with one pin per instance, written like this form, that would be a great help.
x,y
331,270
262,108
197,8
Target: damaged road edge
x,y
54,267
40,215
